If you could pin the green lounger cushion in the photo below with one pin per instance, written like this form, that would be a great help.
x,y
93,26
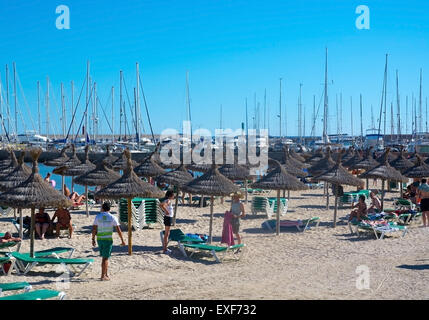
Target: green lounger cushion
x,y
179,236
49,252
209,247
41,294
13,286
7,244
26,258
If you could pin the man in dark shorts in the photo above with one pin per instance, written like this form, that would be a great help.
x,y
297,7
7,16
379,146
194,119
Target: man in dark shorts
x,y
103,226
423,194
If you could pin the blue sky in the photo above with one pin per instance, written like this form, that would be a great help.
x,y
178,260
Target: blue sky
x,y
232,49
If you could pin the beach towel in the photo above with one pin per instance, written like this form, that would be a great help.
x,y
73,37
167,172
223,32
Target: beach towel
x,y
227,234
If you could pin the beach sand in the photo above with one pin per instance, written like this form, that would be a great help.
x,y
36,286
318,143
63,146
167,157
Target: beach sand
x,y
317,264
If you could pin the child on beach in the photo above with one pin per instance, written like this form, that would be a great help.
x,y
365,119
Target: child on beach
x,y
361,210
103,227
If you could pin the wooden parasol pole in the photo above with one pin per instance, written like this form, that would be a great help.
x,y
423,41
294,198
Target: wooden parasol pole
x,y
33,223
211,219
175,206
382,194
21,224
86,201
245,187
130,228
336,205
278,213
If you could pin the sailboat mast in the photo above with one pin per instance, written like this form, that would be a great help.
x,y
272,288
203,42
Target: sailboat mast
x,y
86,102
406,115
72,108
7,99
188,100
361,121
351,115
420,104
137,104
120,105
314,115
300,114
398,106
113,114
392,124
265,108
382,100
280,110
325,109
38,106
63,112
94,126
47,106
16,99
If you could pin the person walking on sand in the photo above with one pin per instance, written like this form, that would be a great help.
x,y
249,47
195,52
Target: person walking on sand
x,y
167,207
423,194
103,227
237,210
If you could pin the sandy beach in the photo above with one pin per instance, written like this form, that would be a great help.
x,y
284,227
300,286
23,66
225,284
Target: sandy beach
x,y
317,264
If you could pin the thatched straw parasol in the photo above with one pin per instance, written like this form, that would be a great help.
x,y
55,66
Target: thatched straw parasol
x,y
338,176
419,170
368,162
279,179
384,172
19,174
355,158
322,165
212,184
100,176
315,157
401,163
70,163
237,172
33,193
178,178
350,153
13,163
149,168
129,186
415,156
382,157
292,160
57,162
296,156
121,163
109,158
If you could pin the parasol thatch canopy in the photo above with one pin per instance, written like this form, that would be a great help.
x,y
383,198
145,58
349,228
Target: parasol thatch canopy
x,y
368,162
415,156
17,176
401,163
235,172
355,158
384,171
279,179
109,158
386,156
337,176
58,161
419,170
149,168
350,153
178,177
296,156
315,157
322,165
100,176
292,160
212,183
71,171
13,163
121,163
129,185
34,192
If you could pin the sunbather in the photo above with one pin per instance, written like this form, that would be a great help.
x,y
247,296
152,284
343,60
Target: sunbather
x,y
64,221
375,203
361,210
8,238
74,196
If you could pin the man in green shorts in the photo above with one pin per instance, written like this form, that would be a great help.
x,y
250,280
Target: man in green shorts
x,y
103,226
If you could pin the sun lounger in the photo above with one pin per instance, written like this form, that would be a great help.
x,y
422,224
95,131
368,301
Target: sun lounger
x,y
13,286
9,245
26,228
178,236
4,211
380,230
25,263
41,294
7,260
301,225
214,250
268,206
404,204
54,252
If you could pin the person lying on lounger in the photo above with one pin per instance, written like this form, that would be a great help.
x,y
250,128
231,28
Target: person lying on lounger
x,y
8,238
375,203
74,196
360,211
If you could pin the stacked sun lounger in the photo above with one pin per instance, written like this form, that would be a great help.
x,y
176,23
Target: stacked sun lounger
x,y
268,206
353,197
145,212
